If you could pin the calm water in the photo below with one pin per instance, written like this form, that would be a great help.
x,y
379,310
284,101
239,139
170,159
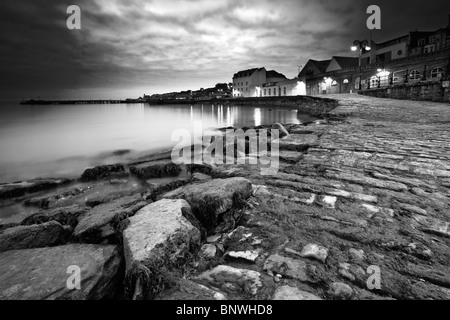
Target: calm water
x,y
50,141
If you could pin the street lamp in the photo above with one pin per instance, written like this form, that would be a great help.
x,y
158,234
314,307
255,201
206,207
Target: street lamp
x,y
361,45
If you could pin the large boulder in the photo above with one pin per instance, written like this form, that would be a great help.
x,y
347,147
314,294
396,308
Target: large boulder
x,y
65,216
210,200
18,189
157,240
155,169
104,172
35,236
38,274
102,222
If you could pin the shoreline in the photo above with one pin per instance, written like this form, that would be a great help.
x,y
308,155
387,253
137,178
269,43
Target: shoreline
x,y
367,189
313,105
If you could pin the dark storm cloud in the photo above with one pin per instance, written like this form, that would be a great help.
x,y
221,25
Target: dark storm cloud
x,y
126,48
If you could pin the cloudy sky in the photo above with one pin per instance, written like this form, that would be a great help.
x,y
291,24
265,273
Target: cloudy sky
x,y
128,48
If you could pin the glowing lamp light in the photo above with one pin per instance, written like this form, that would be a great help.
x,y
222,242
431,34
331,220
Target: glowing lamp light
x,y
368,48
354,48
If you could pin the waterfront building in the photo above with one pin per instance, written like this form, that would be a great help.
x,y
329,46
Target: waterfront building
x,y
245,82
413,66
262,83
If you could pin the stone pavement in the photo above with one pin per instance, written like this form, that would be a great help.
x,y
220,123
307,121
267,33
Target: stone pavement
x,y
362,214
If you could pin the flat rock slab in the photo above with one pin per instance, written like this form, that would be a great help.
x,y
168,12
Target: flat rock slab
x,y
340,291
38,274
189,290
18,189
200,177
298,142
66,216
314,251
291,293
101,222
291,268
157,239
34,236
433,226
211,199
104,172
233,280
155,169
53,199
244,256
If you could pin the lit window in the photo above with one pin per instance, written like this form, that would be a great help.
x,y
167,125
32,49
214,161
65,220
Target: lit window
x,y
398,76
430,48
437,72
345,81
415,75
334,83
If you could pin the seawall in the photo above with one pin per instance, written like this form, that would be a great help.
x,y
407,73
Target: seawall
x,y
305,104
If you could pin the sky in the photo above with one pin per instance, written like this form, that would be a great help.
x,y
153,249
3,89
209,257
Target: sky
x,y
129,48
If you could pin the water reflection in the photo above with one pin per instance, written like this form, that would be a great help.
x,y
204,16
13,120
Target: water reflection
x,y
38,141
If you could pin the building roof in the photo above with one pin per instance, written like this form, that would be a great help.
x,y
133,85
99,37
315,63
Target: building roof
x,y
246,73
347,62
321,65
274,74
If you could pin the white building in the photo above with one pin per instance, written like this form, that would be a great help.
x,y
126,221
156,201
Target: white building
x,y
261,83
245,82
293,87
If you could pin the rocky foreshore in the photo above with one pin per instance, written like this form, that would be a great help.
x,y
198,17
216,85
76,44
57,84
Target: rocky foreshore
x,y
358,210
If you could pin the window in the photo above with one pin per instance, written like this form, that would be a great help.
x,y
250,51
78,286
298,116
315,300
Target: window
x,y
345,81
399,76
430,48
270,92
284,90
415,75
334,83
421,42
434,39
246,89
274,91
246,83
265,92
374,81
437,73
